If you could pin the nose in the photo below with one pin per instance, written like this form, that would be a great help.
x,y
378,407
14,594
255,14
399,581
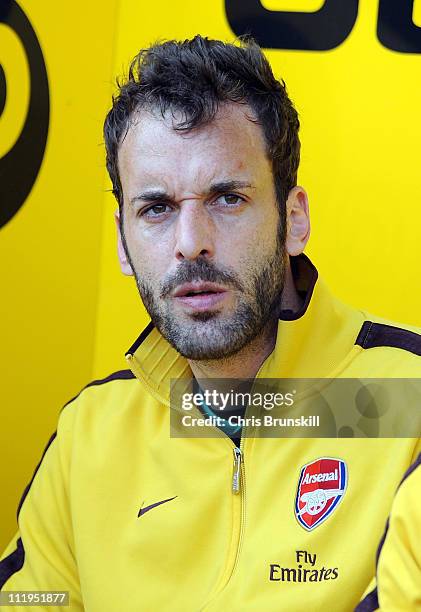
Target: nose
x,y
194,232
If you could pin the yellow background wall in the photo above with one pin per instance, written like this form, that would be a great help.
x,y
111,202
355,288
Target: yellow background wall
x,y
50,250
68,314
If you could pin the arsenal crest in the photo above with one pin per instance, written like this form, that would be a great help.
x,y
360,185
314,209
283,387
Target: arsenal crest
x,y
321,486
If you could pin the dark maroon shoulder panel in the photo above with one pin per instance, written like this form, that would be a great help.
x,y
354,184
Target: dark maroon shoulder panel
x,y
379,334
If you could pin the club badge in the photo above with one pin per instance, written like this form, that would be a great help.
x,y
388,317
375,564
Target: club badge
x,y
321,486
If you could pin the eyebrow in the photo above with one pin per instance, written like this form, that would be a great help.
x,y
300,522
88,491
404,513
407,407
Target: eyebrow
x,y
159,195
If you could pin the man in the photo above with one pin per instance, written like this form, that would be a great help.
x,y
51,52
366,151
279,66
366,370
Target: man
x,y
203,150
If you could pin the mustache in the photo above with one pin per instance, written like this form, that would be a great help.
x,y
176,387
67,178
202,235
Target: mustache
x,y
199,270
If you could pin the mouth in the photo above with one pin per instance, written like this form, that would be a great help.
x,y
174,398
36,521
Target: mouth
x,y
200,296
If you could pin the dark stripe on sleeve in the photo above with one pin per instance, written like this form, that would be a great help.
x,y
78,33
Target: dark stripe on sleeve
x,y
372,599
14,562
369,603
28,486
411,469
119,375
377,334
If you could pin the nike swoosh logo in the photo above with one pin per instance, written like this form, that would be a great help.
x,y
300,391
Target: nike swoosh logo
x,y
147,508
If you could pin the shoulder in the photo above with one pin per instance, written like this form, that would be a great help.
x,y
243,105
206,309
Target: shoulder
x,y
95,397
78,417
103,386
396,346
100,396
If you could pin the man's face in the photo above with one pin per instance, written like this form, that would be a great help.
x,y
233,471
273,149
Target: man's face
x,y
201,229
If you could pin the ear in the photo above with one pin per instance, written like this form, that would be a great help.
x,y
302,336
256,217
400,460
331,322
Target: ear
x,y
124,262
298,221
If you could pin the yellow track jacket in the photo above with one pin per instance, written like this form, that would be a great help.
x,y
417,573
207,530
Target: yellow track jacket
x,y
127,518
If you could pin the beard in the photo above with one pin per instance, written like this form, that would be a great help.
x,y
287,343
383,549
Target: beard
x,y
211,334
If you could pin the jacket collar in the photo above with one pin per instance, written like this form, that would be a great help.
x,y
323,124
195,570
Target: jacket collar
x,y
314,342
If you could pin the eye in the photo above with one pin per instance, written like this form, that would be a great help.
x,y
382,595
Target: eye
x,y
229,199
155,211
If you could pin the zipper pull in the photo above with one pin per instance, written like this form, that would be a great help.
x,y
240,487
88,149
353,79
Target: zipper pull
x,y
236,473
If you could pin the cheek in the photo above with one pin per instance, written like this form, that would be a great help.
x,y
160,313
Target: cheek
x,y
150,257
260,241
248,256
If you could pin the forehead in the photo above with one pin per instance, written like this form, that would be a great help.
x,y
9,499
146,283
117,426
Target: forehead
x,y
153,153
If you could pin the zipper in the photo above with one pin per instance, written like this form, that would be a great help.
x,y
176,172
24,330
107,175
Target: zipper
x,y
239,488
236,476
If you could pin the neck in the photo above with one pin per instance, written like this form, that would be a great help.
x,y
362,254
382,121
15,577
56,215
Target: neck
x,y
247,362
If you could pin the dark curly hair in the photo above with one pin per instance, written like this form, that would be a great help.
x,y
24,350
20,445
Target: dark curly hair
x,y
192,78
